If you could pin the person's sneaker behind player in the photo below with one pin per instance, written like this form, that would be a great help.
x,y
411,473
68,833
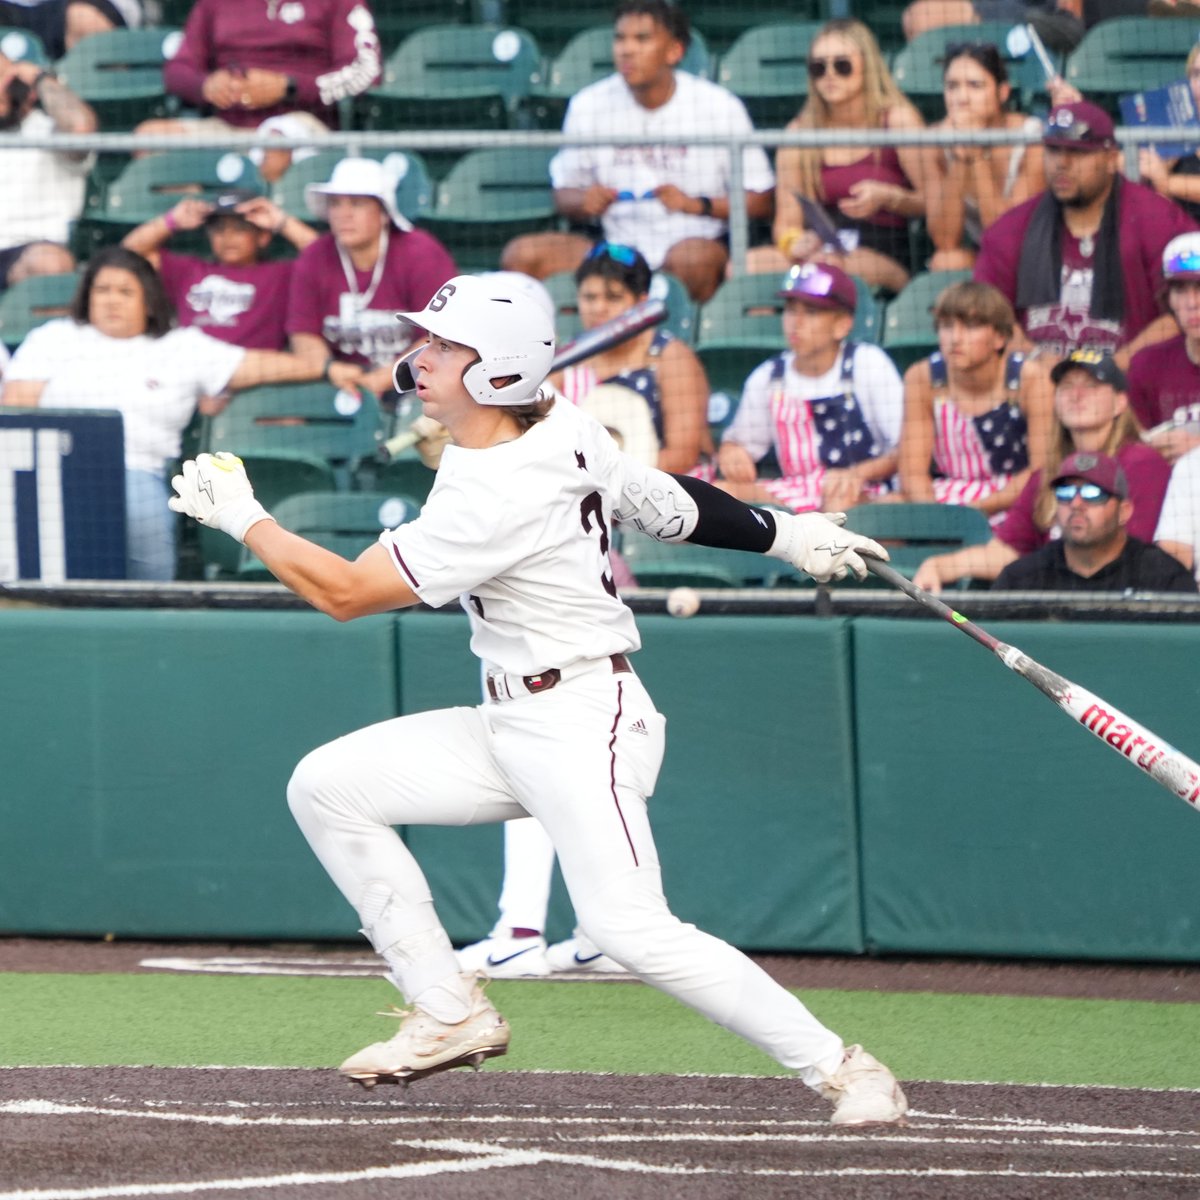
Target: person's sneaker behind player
x,y
864,1091
503,956
579,954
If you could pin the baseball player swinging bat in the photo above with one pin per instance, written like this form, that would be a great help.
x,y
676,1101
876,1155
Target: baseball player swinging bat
x,y
1135,743
642,316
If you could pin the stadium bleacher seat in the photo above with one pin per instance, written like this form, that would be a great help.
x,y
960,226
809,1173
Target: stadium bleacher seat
x,y
346,523
414,190
722,22
22,45
1130,54
399,19
33,301
908,332
120,74
554,23
767,67
918,67
488,197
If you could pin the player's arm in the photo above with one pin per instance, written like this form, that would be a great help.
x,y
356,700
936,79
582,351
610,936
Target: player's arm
x,y
214,490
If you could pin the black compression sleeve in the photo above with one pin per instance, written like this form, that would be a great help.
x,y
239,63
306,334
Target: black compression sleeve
x,y
726,522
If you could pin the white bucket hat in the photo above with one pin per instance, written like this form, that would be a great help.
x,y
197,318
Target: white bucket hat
x,y
357,177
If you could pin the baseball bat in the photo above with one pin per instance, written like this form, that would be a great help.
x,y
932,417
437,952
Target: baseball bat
x,y
1133,742
642,316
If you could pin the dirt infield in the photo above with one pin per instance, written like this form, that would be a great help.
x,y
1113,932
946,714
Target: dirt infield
x,y
125,1132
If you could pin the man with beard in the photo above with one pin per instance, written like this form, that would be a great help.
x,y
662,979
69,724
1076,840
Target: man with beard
x,y
1082,262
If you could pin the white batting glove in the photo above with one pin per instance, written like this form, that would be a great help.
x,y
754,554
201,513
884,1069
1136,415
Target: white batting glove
x,y
215,491
819,546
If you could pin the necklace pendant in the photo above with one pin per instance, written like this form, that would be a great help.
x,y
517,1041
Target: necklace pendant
x,y
1087,245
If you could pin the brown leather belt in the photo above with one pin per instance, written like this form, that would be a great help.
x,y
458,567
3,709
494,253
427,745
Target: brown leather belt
x,y
551,678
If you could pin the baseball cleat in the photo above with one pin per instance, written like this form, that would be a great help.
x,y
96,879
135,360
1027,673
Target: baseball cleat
x,y
578,954
424,1045
501,957
864,1091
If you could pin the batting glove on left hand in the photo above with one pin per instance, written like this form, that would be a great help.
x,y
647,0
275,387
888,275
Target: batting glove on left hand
x,y
818,545
215,490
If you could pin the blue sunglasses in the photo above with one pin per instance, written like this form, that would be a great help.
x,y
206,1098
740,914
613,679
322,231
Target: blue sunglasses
x,y
627,256
1089,493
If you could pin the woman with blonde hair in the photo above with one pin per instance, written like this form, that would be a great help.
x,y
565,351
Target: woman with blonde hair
x,y
1177,178
867,198
1092,415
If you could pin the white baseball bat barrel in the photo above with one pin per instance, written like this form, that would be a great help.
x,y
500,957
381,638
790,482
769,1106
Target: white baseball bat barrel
x,y
1135,743
642,316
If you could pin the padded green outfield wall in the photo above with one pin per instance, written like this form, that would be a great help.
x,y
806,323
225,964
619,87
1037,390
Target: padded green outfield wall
x,y
833,785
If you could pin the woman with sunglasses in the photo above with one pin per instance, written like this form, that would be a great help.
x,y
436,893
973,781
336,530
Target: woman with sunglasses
x,y
1177,178
968,187
656,365
868,197
1091,416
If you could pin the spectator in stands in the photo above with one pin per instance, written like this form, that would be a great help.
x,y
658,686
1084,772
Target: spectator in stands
x,y
840,204
273,163
61,25
41,191
1177,179
968,187
1092,416
235,296
1059,23
1164,379
245,63
655,366
670,201
1082,262
118,350
1095,552
830,408
348,285
977,414
1178,531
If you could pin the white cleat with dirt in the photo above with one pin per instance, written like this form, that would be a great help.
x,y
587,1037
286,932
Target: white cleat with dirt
x,y
423,1045
864,1091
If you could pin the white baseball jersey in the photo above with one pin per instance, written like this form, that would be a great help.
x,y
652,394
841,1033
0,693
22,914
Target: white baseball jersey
x,y
697,106
520,532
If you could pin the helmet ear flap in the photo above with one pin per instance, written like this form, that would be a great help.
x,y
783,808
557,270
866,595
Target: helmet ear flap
x,y
403,379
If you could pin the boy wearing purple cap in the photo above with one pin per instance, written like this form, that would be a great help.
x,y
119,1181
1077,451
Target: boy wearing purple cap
x,y
1082,262
830,408
1092,509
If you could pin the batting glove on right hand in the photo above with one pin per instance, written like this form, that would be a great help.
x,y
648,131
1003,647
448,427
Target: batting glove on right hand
x,y
819,546
215,491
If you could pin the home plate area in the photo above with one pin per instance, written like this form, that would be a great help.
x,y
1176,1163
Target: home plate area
x,y
90,1134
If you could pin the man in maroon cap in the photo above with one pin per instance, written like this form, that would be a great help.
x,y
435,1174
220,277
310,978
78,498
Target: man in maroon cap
x,y
1094,553
830,408
1082,262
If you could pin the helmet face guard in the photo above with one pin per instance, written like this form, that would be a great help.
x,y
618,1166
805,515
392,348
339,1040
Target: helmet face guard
x,y
512,335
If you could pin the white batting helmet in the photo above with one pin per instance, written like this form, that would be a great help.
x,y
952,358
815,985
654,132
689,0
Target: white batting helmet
x,y
510,331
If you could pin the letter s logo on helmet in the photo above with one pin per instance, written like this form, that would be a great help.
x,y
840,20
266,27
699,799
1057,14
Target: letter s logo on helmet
x,y
441,296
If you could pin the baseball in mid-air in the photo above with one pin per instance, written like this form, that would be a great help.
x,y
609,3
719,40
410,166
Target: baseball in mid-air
x,y
683,602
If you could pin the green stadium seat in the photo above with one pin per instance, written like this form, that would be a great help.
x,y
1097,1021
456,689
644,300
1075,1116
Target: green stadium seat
x,y
414,190
1130,54
918,67
767,67
149,186
488,197
22,45
120,74
346,523
554,24
586,58
908,333
397,20
31,302
722,22
911,532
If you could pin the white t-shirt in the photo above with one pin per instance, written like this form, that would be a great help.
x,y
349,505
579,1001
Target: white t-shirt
x,y
876,383
41,192
519,533
697,106
1179,520
153,382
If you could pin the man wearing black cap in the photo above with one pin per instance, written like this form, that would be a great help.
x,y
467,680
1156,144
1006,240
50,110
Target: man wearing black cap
x,y
237,297
1082,262
1094,554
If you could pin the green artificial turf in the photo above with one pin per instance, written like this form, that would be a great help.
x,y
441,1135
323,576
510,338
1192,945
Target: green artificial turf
x,y
613,1027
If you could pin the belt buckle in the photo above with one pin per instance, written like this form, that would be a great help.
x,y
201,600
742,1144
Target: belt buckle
x,y
543,682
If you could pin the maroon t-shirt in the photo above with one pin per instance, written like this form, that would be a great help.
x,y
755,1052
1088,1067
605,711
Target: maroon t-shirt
x,y
1147,223
244,306
1145,469
322,302
1164,384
